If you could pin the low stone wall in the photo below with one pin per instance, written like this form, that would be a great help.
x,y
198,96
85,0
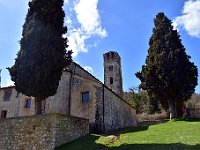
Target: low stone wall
x,y
42,132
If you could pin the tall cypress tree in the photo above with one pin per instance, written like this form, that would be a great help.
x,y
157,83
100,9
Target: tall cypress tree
x,y
42,56
168,75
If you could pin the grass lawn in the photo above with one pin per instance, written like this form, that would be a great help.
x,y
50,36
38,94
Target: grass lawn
x,y
174,135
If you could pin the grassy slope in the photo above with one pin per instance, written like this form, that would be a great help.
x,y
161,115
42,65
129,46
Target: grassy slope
x,y
183,135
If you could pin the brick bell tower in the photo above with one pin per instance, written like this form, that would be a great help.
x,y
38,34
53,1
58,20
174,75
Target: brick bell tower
x,y
113,72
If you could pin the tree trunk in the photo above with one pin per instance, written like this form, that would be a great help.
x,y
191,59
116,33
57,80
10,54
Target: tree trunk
x,y
179,109
172,109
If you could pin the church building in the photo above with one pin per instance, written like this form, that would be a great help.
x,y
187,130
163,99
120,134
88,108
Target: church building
x,y
82,95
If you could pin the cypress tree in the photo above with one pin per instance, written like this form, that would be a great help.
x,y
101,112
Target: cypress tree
x,y
168,75
42,55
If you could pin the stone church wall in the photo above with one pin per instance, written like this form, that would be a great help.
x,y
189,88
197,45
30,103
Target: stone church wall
x,y
98,127
42,132
117,113
77,106
15,103
105,110
59,103
23,110
11,105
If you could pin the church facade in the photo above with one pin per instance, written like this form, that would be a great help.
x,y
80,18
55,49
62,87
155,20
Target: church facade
x,y
81,95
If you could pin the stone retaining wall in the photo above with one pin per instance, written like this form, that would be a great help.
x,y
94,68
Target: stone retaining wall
x,y
43,132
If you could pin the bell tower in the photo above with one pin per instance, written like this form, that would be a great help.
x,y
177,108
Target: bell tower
x,y
113,72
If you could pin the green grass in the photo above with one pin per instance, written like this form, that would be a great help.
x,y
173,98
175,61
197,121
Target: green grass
x,y
174,135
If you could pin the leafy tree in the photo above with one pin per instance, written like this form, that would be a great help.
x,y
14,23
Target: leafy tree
x,y
168,74
193,103
139,100
42,56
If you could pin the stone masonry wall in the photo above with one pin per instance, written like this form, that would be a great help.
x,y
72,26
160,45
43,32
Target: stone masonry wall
x,y
105,110
23,110
118,114
99,126
43,132
11,105
77,106
15,103
59,103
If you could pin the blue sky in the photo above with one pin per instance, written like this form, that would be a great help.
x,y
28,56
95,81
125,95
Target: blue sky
x,y
98,26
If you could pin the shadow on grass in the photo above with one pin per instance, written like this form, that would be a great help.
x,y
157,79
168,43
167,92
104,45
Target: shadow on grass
x,y
88,143
188,120
84,143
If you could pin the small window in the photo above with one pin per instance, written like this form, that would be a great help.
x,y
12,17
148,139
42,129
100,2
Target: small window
x,y
110,68
28,103
7,95
3,113
111,80
85,97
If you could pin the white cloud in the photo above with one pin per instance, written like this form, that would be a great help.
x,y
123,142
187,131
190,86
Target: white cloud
x,y
68,21
89,69
77,42
190,20
9,82
66,1
84,25
88,16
